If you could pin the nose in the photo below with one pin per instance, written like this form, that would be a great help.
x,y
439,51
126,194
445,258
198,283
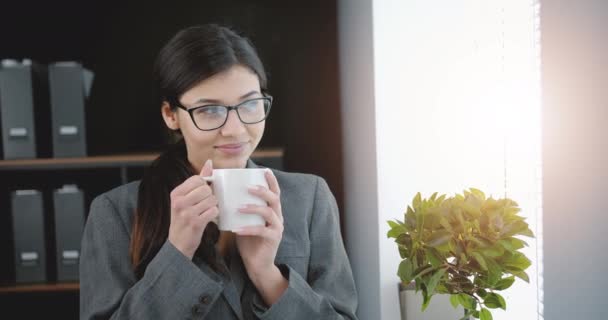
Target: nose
x,y
233,125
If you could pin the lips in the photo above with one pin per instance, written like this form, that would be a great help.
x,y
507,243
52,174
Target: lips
x,y
231,148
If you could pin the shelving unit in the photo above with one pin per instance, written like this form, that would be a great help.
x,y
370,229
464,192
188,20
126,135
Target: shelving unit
x,y
52,287
96,168
123,162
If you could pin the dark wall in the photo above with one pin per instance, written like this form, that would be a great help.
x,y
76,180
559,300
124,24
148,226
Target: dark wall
x,y
119,40
575,158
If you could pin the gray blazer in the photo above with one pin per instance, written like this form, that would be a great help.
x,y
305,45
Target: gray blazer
x,y
311,256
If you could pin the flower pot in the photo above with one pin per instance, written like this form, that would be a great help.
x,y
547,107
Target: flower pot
x,y
439,308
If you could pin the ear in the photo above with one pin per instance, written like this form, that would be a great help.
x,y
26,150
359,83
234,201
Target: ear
x,y
170,116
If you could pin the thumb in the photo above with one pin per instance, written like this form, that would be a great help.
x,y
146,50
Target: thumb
x,y
207,170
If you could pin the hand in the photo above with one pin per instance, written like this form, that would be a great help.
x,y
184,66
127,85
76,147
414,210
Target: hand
x,y
193,206
258,245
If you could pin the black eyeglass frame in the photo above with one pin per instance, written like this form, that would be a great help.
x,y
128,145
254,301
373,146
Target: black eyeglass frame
x,y
190,111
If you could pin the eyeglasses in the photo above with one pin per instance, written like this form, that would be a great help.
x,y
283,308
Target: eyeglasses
x,y
211,117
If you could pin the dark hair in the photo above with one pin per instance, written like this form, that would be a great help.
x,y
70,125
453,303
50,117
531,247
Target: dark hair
x,y
191,56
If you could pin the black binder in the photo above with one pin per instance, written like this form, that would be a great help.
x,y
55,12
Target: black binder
x,y
69,210
69,84
28,234
17,110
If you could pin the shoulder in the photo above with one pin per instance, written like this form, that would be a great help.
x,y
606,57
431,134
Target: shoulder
x,y
122,195
295,180
305,191
118,203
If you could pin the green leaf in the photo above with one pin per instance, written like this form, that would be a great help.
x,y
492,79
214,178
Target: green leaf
x,y
495,251
445,223
505,283
395,232
522,275
482,293
527,233
494,300
454,300
439,238
466,301
403,251
479,258
426,299
506,243
434,280
405,271
485,314
434,257
393,224
518,260
417,202
494,271
440,199
478,193
514,228
422,270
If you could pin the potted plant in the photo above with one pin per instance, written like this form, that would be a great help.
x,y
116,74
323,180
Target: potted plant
x,y
466,246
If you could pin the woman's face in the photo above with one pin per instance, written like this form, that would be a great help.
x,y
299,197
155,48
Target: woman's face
x,y
231,145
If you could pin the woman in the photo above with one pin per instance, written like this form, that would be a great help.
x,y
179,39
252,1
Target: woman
x,y
150,248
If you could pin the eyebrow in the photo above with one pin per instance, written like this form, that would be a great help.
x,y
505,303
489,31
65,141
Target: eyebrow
x,y
247,95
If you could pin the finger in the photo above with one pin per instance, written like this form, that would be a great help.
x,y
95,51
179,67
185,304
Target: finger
x,y
273,199
259,231
207,216
202,206
197,195
207,170
265,194
185,187
273,184
265,212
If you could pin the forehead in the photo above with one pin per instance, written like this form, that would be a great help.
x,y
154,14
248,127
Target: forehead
x,y
225,87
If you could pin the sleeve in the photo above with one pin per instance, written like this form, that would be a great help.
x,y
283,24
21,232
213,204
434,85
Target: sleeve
x,y
329,292
173,287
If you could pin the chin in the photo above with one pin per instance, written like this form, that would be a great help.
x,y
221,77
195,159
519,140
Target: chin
x,y
233,162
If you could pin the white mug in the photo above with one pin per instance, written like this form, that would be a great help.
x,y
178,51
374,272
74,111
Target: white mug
x,y
231,188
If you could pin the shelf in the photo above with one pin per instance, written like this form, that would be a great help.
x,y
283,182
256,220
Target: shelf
x,y
51,287
124,160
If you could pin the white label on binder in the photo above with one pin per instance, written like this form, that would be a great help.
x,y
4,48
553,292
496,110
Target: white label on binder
x,y
26,192
17,132
29,256
70,254
68,130
68,188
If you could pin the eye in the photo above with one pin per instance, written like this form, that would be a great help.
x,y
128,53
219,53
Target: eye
x,y
210,111
251,105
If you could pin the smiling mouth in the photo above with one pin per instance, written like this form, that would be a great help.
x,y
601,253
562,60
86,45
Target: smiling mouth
x,y
232,148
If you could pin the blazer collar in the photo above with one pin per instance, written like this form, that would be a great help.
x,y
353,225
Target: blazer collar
x,y
251,164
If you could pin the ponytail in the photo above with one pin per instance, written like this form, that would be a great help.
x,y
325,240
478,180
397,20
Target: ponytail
x,y
153,213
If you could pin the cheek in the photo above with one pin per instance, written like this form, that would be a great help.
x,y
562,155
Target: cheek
x,y
199,139
256,131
